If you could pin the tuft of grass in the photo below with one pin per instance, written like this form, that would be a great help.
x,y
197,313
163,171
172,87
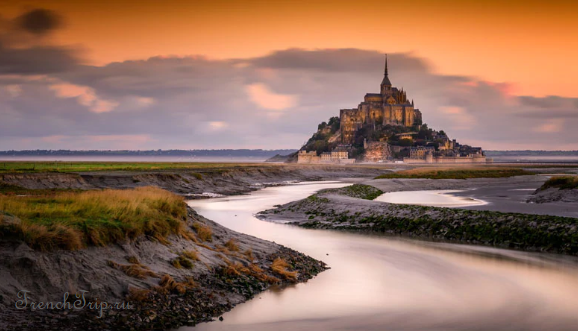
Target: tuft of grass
x,y
43,237
197,175
204,232
138,295
133,259
193,255
73,220
235,269
222,249
182,262
249,254
232,245
258,273
452,173
561,182
279,266
169,285
133,270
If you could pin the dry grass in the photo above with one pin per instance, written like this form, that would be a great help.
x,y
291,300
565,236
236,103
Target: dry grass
x,y
193,255
561,182
222,249
138,295
73,220
204,232
133,270
232,245
169,285
249,254
279,266
182,262
133,259
236,269
258,273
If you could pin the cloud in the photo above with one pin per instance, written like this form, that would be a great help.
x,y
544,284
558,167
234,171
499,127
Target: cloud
x,y
85,96
459,118
14,90
549,102
271,101
25,50
39,21
551,126
218,125
36,60
261,95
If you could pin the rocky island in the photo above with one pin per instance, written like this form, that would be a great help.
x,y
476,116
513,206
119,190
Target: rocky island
x,y
384,127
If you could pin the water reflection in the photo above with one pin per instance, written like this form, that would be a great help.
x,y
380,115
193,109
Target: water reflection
x,y
438,198
380,283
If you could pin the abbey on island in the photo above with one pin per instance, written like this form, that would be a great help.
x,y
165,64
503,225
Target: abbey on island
x,y
390,106
385,126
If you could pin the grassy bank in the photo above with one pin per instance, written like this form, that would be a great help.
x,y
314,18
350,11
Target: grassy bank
x,y
449,173
24,167
73,220
561,182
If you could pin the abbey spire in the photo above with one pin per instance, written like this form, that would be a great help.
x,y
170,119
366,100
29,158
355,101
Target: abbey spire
x,y
385,83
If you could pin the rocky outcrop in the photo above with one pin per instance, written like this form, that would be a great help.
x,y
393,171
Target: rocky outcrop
x,y
554,195
377,151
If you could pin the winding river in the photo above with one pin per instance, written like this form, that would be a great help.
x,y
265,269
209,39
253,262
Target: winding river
x,y
384,283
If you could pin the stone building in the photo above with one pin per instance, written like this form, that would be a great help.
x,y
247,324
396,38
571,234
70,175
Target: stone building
x,y
420,152
339,155
389,106
308,157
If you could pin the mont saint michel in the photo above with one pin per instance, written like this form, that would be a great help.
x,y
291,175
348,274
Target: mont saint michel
x,y
384,127
288,165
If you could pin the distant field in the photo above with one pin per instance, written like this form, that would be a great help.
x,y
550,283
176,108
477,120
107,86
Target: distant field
x,y
449,173
7,167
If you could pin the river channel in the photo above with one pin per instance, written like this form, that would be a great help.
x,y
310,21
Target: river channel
x,y
385,283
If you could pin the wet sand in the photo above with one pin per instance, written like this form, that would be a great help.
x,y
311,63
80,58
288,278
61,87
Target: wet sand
x,y
501,194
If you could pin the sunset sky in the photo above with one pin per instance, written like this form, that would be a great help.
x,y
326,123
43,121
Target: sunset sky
x,y
262,74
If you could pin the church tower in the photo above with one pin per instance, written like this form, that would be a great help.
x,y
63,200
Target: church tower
x,y
385,83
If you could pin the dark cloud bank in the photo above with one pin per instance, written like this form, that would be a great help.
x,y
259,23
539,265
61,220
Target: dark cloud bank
x,y
49,100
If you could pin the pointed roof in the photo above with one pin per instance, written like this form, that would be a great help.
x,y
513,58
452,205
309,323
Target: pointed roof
x,y
385,80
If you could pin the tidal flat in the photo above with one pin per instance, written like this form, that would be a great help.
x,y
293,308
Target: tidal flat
x,y
193,269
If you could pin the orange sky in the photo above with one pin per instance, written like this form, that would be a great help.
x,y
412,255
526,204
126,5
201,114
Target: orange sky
x,y
531,44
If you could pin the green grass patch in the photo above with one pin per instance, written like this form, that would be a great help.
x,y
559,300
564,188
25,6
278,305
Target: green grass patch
x,y
561,182
457,173
316,198
360,191
25,167
74,220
